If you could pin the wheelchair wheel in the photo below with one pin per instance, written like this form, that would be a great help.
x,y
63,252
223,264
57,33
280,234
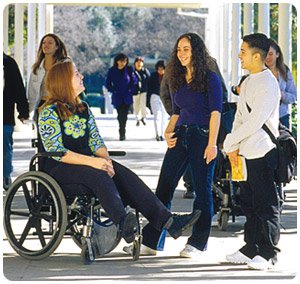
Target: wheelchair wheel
x,y
223,220
35,215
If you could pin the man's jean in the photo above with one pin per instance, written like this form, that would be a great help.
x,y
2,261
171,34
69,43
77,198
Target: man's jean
x,y
7,150
191,143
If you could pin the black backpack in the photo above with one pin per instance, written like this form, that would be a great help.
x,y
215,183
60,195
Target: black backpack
x,y
287,153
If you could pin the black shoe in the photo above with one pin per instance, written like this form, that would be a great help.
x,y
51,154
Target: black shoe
x,y
177,224
122,138
129,227
189,194
6,182
143,121
157,138
138,123
161,138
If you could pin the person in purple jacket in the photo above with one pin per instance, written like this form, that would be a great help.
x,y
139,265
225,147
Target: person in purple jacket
x,y
191,136
120,82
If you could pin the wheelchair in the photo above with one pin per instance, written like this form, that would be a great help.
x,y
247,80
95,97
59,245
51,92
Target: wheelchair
x,y
226,193
37,215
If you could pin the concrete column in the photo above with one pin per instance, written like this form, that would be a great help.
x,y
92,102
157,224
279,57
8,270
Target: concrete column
x,y
41,21
227,12
264,19
19,19
285,32
5,29
236,42
214,30
248,18
49,18
31,39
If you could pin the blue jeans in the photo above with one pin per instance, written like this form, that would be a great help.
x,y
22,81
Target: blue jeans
x,y
191,143
285,120
7,150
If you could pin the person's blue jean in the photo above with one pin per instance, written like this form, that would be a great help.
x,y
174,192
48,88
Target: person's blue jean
x,y
191,143
7,150
285,120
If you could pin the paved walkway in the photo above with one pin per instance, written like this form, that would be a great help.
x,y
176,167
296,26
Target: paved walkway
x,y
144,156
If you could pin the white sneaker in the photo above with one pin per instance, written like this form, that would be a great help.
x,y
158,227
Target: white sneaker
x,y
260,263
144,250
237,258
190,252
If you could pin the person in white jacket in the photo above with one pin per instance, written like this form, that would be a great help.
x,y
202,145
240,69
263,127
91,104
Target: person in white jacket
x,y
51,49
258,105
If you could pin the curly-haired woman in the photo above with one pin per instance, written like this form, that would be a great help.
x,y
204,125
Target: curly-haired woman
x,y
191,136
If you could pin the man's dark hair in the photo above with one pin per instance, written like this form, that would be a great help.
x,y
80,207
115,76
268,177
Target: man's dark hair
x,y
259,42
160,63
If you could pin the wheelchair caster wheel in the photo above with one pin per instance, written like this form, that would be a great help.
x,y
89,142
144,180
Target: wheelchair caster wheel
x,y
136,248
223,220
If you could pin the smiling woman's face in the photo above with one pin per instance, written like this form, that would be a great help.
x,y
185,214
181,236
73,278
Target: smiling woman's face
x,y
184,52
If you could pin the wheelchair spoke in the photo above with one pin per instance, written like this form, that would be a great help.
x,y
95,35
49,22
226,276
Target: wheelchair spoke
x,y
47,217
19,213
27,197
40,202
40,233
26,231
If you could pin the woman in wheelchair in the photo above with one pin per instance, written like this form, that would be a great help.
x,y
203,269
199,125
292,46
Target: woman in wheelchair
x,y
66,124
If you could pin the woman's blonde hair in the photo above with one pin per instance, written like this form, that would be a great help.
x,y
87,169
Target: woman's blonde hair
x,y
59,86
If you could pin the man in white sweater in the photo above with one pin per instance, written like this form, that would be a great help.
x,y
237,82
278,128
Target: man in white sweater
x,y
259,202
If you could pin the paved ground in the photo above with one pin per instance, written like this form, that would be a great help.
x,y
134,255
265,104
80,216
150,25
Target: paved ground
x,y
144,156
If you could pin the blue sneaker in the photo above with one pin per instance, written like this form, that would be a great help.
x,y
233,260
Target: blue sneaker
x,y
177,224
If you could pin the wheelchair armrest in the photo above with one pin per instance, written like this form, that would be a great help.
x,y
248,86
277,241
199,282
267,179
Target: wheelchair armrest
x,y
43,155
117,153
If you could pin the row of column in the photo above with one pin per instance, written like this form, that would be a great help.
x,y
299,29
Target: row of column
x,y
223,32
34,34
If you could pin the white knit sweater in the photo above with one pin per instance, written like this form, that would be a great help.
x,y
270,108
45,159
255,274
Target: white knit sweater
x,y
262,94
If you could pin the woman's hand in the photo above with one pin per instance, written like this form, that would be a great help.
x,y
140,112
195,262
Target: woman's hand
x,y
210,153
104,165
171,141
110,168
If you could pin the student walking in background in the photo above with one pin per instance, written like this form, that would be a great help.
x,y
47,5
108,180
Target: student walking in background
x,y
160,114
140,91
120,81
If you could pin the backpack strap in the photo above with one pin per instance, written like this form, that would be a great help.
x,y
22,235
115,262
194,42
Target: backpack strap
x,y
266,128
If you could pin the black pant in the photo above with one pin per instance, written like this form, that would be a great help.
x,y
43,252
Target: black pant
x,y
125,188
259,202
122,118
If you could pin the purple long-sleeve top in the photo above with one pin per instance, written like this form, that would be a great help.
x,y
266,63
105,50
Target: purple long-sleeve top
x,y
194,107
121,84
